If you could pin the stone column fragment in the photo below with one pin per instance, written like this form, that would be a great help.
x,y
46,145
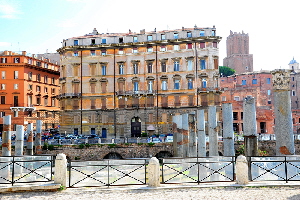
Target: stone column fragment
x,y
228,136
241,170
29,146
6,136
283,112
60,176
201,133
212,131
19,145
185,134
154,173
178,147
38,139
192,146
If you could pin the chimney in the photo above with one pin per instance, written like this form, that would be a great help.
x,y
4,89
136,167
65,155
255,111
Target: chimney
x,y
142,31
24,53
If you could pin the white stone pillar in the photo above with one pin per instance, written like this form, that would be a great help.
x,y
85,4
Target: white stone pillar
x,y
177,140
250,129
201,133
241,170
283,113
185,134
212,131
6,136
19,145
228,136
192,147
29,146
38,139
60,173
153,172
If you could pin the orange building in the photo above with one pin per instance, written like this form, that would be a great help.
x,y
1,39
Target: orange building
x,y
28,90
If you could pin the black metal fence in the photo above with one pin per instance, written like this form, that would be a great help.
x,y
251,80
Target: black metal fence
x,y
26,169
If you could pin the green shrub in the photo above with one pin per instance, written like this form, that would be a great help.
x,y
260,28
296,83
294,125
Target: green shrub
x,y
112,145
50,147
81,146
151,143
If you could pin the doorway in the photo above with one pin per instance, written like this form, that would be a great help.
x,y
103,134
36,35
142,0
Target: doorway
x,y
136,129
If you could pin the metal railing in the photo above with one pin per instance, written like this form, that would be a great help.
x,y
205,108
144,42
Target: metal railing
x,y
107,172
26,169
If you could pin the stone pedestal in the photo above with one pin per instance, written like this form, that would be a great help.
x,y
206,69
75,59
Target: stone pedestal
x,y
60,173
153,173
241,170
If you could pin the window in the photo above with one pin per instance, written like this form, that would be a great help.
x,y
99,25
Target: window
x,y
135,68
93,41
103,70
46,101
163,48
53,102
190,84
236,98
46,79
53,90
30,76
16,60
2,114
121,51
293,78
163,67
190,65
235,115
215,45
103,52
149,66
176,66
52,80
254,81
46,90
2,99
269,80
135,50
135,86
150,86
135,39
121,40
203,64
223,98
75,42
38,63
163,36
269,92
16,86
38,88
149,37
38,100
121,69
149,49
3,86
202,33
269,102
93,87
175,35
176,84
103,41
16,74
244,82
29,87
75,53
213,33
189,34
3,60
176,47
164,85
204,83
293,93
93,52
202,45
3,74
189,46
38,77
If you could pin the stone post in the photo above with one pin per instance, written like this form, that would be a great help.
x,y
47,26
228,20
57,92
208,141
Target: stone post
x,y
6,136
29,146
192,148
201,133
178,140
228,136
153,172
283,113
60,173
19,145
250,129
241,170
38,139
212,131
185,134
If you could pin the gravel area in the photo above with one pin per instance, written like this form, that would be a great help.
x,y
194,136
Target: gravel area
x,y
240,193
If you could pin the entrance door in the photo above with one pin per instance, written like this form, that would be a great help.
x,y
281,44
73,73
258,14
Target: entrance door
x,y
93,131
136,127
104,133
75,131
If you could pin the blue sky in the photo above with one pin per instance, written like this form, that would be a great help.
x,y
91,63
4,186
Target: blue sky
x,y
37,26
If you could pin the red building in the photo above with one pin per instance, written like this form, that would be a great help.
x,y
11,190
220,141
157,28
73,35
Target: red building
x,y
28,90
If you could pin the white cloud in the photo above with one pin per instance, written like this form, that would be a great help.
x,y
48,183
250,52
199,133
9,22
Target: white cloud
x,y
8,11
4,44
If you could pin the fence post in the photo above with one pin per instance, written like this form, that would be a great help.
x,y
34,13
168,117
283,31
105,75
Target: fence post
x,y
153,172
60,173
242,170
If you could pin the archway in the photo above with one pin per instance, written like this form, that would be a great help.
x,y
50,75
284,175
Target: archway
x,y
113,155
163,154
136,129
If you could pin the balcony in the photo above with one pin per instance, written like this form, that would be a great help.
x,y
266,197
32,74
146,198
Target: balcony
x,y
62,80
69,95
138,92
207,89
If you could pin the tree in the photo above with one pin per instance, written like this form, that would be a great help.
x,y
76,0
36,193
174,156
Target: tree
x,y
225,71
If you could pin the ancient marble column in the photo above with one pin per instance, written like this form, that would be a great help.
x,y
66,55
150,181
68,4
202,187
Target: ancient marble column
x,y
6,136
185,134
178,147
283,113
212,131
19,145
192,146
250,129
38,139
29,146
228,135
201,133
